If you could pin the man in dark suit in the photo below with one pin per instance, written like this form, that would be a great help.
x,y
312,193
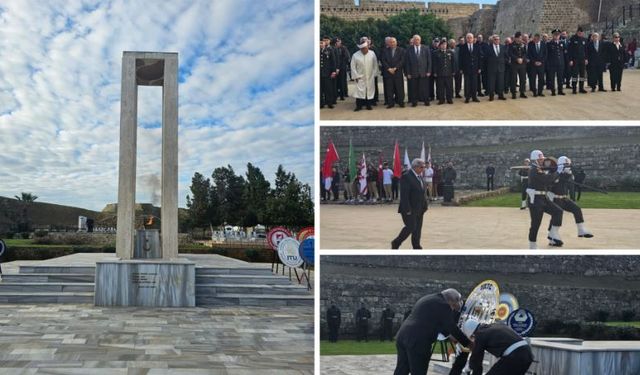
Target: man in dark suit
x,y
495,57
617,58
431,315
393,74
344,63
482,77
537,54
413,205
470,67
596,55
333,322
418,71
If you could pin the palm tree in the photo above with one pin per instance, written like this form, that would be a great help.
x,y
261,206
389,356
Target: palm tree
x,y
27,197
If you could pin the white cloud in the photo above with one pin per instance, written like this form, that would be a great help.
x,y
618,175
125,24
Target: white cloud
x,y
246,92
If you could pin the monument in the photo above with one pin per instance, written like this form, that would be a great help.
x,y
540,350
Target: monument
x,y
150,273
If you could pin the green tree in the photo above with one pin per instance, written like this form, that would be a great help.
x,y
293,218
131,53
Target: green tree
x,y
229,189
290,204
24,218
257,190
199,202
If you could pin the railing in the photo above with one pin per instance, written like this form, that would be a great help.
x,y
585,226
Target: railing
x,y
627,14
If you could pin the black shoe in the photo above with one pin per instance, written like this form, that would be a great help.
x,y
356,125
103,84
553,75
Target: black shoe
x,y
593,89
513,96
491,98
401,105
535,95
357,109
523,208
475,100
458,96
586,235
395,245
322,106
414,104
501,98
369,107
523,96
330,106
553,93
450,101
341,98
602,90
480,94
541,94
390,106
561,93
427,104
440,102
574,91
466,100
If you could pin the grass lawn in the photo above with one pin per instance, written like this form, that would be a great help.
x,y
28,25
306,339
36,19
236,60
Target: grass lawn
x,y
587,200
352,347
31,245
623,324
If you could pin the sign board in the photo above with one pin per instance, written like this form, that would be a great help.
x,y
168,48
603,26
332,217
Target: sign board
x,y
481,303
522,322
276,235
288,251
508,303
307,250
305,233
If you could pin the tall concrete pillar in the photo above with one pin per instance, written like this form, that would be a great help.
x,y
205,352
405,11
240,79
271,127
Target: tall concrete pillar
x,y
148,69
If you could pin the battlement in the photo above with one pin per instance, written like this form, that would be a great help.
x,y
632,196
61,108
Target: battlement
x,y
377,9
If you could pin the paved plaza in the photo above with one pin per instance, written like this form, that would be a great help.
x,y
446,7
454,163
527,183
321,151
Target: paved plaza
x,y
369,364
374,226
592,106
83,339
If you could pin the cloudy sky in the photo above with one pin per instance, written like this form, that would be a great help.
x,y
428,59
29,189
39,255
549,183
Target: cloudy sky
x,y
245,92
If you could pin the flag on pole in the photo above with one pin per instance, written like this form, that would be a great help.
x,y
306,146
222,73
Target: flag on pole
x,y
407,162
353,171
397,164
363,176
330,158
380,169
429,156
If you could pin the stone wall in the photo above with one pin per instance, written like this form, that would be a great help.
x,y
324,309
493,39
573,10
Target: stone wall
x,y
380,9
608,154
375,281
542,16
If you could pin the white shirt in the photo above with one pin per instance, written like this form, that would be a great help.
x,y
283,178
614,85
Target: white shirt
x,y
387,175
428,175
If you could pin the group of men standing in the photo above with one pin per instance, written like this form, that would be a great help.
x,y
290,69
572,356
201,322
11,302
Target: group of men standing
x,y
363,316
490,68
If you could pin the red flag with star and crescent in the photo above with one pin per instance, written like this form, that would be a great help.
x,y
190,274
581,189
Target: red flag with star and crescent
x,y
397,163
330,158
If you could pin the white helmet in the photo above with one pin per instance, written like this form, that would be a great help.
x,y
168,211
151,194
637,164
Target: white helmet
x,y
469,327
536,154
563,162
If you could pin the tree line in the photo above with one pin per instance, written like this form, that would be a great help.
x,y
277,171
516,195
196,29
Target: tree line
x,y
402,26
232,199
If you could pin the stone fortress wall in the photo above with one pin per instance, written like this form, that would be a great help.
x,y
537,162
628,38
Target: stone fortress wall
x,y
377,9
608,154
552,287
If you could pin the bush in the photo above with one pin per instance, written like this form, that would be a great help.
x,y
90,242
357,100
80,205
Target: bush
x,y
628,315
25,235
40,234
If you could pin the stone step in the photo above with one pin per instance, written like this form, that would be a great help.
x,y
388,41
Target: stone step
x,y
242,279
46,287
204,290
84,270
44,297
229,299
232,271
48,278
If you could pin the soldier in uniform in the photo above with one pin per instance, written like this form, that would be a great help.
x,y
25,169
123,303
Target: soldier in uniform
x,y
559,195
578,60
344,62
537,55
596,55
393,74
386,324
567,70
555,63
500,340
362,323
518,57
524,183
333,321
540,178
443,68
327,75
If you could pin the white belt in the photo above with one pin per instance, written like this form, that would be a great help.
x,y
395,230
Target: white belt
x,y
560,196
522,178
513,347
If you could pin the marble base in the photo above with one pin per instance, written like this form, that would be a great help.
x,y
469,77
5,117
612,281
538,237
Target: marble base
x,y
153,283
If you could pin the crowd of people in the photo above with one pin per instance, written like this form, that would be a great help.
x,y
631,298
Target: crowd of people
x,y
381,185
477,68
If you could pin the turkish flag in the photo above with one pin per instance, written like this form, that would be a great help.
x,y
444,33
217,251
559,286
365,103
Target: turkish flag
x,y
330,158
397,164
